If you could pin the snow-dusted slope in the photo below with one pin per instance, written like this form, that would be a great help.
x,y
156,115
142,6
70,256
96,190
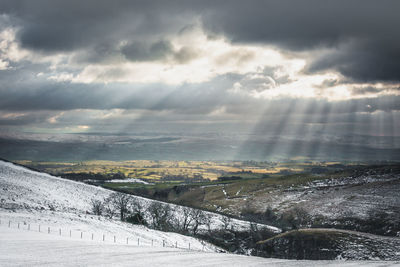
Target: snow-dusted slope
x,y
317,243
24,188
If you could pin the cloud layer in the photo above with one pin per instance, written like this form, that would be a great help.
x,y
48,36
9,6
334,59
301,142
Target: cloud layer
x,y
297,66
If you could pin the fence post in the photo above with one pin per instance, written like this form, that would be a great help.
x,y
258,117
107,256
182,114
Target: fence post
x,y
114,239
127,241
60,231
92,236
103,237
81,235
39,228
29,226
9,223
138,241
163,243
152,242
48,230
70,233
18,225
176,244
189,246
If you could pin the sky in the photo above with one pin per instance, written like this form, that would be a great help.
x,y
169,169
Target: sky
x,y
296,68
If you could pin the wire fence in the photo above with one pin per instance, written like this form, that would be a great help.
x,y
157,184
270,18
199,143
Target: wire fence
x,y
108,238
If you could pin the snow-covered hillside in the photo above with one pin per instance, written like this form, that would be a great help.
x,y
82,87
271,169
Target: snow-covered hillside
x,y
26,189
34,197
29,197
30,190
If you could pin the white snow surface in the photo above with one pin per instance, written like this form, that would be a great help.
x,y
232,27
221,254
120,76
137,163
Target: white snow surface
x,y
20,247
88,225
128,180
24,188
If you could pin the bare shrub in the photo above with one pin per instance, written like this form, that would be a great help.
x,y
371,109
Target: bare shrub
x,y
296,217
226,221
97,207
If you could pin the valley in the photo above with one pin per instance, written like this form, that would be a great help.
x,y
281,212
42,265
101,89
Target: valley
x,y
246,213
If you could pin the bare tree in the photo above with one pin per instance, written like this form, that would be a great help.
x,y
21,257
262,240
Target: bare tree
x,y
97,206
120,203
199,218
136,206
136,212
207,221
226,221
296,217
109,209
186,219
161,215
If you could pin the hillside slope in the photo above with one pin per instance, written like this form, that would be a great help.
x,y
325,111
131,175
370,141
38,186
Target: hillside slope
x,y
355,196
29,197
32,197
26,189
317,244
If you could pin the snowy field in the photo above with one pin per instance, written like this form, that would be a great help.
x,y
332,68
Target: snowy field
x,y
28,248
88,227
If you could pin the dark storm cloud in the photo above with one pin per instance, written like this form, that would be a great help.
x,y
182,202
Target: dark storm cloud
x,y
367,29
364,60
147,52
365,90
304,24
52,26
159,50
370,26
25,118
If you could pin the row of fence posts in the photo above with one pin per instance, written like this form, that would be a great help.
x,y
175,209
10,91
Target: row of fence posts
x,y
92,237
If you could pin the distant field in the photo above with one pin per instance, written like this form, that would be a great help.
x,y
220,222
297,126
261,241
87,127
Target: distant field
x,y
213,185
180,171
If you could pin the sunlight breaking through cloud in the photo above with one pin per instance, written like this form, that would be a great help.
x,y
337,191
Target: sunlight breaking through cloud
x,y
199,69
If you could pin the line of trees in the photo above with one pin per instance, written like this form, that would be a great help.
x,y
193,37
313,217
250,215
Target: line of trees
x,y
180,219
156,215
